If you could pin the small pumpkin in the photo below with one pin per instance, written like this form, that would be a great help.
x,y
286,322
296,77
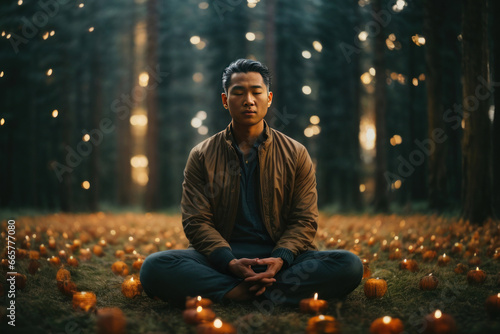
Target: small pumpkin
x,y
110,320
461,269
67,287
375,288
120,268
476,276
428,282
429,255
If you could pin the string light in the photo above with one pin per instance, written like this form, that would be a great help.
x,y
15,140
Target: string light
x,y
2,121
91,29
49,72
8,36
317,46
250,36
52,33
86,185
306,90
55,113
306,54
203,5
81,5
195,40
1,74
20,2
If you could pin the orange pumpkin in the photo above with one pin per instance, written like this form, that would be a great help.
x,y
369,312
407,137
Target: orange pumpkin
x,y
67,287
387,325
375,288
460,269
110,320
428,282
429,255
20,280
97,249
137,264
120,268
33,266
366,269
476,276
493,305
409,264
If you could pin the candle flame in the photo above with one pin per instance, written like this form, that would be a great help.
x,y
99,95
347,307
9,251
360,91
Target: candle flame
x,y
498,295
132,279
321,317
430,274
198,298
83,292
477,268
316,296
386,319
404,260
217,323
438,314
444,255
199,308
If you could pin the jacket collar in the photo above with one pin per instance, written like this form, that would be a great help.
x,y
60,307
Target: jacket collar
x,y
228,135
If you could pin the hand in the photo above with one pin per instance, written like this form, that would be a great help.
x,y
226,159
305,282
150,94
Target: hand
x,y
242,267
266,278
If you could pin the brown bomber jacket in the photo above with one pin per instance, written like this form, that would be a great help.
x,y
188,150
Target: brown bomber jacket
x,y
211,190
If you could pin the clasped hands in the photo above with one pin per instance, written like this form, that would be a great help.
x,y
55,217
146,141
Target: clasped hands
x,y
258,281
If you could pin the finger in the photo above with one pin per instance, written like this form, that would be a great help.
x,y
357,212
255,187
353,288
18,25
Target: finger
x,y
264,280
261,291
248,262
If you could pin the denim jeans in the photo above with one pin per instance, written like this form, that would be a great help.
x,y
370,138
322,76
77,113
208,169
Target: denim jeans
x,y
174,274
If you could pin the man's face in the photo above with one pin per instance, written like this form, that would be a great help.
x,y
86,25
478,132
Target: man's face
x,y
247,98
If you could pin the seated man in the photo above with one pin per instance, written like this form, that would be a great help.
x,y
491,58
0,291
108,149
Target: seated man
x,y
249,211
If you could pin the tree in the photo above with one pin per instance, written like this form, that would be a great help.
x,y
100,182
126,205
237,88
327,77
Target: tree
x,y
476,145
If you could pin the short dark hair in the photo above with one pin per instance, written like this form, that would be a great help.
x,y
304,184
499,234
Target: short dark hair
x,y
245,66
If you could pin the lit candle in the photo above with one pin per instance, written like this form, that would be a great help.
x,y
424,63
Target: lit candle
x,y
322,324
43,250
52,244
476,276
429,255
313,305
396,254
97,250
72,261
131,287
387,325
85,301
54,260
85,254
198,315
493,305
198,301
409,264
443,260
428,282
440,323
215,327
366,269
62,254
138,264
475,260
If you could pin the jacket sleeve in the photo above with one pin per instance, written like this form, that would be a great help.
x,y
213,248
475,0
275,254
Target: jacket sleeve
x,y
302,222
197,215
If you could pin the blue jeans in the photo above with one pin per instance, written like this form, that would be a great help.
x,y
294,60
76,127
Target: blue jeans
x,y
174,274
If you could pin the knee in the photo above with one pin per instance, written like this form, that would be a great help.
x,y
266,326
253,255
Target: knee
x,y
352,267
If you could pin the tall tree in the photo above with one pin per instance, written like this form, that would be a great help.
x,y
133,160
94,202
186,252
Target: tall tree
x,y
433,28
152,189
495,9
381,199
476,191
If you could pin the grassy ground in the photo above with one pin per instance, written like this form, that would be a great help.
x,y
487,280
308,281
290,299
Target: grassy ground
x,y
41,308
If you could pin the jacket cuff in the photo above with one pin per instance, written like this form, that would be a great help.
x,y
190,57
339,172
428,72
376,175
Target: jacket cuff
x,y
220,258
285,254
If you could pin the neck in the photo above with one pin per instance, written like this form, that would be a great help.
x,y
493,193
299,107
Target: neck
x,y
247,135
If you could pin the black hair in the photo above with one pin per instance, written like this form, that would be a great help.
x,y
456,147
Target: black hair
x,y
245,66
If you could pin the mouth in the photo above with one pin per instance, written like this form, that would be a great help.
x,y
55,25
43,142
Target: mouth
x,y
249,112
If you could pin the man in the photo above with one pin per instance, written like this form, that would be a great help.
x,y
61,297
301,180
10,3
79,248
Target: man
x,y
249,211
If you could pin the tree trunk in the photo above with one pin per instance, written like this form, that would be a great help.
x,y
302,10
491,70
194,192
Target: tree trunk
x,y
495,9
437,157
151,196
381,200
476,145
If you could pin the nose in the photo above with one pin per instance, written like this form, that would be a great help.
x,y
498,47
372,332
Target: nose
x,y
249,100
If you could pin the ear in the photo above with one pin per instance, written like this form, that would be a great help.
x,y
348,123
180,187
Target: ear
x,y
269,99
224,100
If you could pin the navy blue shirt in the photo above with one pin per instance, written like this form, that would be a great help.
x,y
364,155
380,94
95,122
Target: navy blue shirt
x,y
249,227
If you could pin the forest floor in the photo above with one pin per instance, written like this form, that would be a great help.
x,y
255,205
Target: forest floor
x,y
42,308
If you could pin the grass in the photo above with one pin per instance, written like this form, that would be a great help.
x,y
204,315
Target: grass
x,y
41,308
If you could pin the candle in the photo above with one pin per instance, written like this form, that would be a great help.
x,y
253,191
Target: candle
x,y
474,260
54,260
313,305
198,301
84,301
138,264
33,266
43,250
375,288
366,269
85,254
110,320
198,315
460,268
120,254
215,327
76,244
322,324
439,323
457,248
120,268
387,325
428,282
396,254
67,287
128,249
410,265
443,260
493,305
19,279
476,276
102,243
52,244
62,254
72,261
131,287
